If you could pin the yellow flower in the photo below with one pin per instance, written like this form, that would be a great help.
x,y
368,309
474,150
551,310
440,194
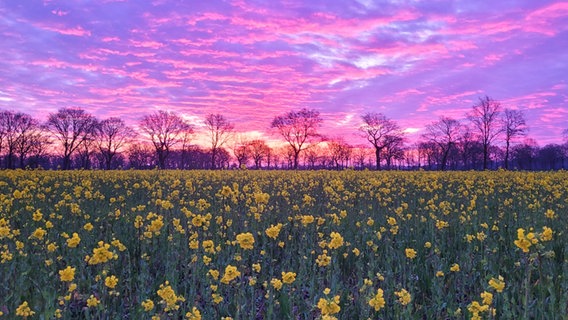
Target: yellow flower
x,y
217,298
323,259
307,219
93,301
378,301
111,282
208,246
88,226
256,267
37,216
51,247
39,233
455,267
101,254
169,297
276,283
524,242
288,277
427,244
410,253
404,297
439,274
546,234
329,306
214,273
487,298
497,284
475,308
24,310
194,314
148,305
274,231
73,242
245,240
336,240
67,274
550,214
231,273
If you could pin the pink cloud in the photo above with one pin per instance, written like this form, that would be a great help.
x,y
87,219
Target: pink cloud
x,y
60,13
76,31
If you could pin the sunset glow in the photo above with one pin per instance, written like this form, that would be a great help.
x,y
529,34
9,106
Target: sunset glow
x,y
252,60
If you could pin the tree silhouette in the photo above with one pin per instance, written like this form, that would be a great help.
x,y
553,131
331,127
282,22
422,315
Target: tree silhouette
x,y
220,130
445,134
298,128
112,135
259,151
513,126
379,131
71,127
485,118
165,129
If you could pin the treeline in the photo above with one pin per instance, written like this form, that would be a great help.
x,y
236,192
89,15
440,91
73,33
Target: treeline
x,y
490,138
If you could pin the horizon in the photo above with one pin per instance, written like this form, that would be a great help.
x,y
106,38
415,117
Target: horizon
x,y
253,60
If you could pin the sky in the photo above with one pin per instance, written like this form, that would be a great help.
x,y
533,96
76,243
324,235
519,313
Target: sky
x,y
252,60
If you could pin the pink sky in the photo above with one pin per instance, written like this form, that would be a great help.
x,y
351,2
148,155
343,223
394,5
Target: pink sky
x,y
252,60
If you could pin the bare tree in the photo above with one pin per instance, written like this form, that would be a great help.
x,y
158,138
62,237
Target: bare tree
x,y
340,152
445,133
298,128
259,151
220,130
514,125
20,133
15,128
241,150
71,127
32,142
165,130
394,148
360,154
112,136
377,129
485,119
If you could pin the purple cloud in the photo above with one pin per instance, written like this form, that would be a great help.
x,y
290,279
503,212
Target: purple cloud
x,y
253,60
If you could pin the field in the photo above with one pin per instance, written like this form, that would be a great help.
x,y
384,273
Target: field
x,y
283,245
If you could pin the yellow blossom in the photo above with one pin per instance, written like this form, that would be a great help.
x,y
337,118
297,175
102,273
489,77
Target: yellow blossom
x,y
274,231
487,298
497,284
67,274
169,297
246,240
148,305
194,314
404,297
378,300
74,241
276,283
455,267
93,301
111,282
410,253
329,306
288,277
231,273
24,310
546,234
336,240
